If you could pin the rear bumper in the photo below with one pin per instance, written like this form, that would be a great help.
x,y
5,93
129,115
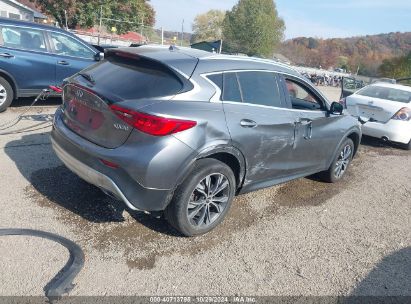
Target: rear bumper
x,y
393,130
84,159
90,175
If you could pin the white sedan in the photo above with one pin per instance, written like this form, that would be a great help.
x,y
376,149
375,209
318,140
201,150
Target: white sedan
x,y
388,108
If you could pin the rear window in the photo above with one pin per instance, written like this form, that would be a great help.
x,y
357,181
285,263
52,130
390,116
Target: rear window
x,y
386,93
131,78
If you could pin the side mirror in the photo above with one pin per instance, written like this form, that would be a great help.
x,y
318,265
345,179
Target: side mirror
x,y
336,108
99,57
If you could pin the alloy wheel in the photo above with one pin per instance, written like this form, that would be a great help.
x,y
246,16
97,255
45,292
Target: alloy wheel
x,y
343,161
208,200
3,95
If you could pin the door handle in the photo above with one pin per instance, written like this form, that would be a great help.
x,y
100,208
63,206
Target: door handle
x,y
6,55
63,62
247,123
304,121
308,123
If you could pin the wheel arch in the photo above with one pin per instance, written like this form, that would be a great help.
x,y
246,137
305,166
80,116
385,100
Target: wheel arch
x,y
356,138
230,156
11,80
355,135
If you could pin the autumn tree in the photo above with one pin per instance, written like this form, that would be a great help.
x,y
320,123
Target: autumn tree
x,y
87,13
399,67
253,27
208,26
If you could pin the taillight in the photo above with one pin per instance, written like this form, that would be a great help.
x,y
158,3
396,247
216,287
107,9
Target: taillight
x,y
404,114
343,101
150,124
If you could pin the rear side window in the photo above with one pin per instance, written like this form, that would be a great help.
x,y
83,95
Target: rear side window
x,y
259,88
231,90
134,78
23,38
386,93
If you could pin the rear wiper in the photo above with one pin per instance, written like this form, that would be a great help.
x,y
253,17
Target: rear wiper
x,y
88,77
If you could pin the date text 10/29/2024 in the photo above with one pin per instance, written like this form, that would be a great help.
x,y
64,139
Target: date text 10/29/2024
x,y
206,299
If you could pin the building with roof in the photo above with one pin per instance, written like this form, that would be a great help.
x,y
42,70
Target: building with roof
x,y
15,10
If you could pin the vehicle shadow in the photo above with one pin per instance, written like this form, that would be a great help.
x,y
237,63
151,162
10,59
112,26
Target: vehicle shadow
x,y
377,143
27,101
57,187
388,282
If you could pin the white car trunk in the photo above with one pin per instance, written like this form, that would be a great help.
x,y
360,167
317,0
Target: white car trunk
x,y
381,110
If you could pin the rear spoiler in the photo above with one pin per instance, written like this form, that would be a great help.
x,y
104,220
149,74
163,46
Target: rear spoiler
x,y
132,58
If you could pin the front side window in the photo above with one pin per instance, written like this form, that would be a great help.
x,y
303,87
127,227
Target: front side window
x,y
68,46
23,38
301,97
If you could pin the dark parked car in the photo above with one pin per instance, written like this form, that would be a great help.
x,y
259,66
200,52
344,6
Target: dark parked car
x,y
183,131
34,56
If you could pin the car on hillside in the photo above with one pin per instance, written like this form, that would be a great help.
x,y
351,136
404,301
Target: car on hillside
x,y
34,56
387,107
183,131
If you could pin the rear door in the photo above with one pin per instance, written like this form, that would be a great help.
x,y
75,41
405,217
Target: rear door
x,y
72,55
380,103
259,122
25,54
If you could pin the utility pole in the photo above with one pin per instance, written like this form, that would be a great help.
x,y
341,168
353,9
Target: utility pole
x,y
101,22
162,36
182,33
65,17
142,26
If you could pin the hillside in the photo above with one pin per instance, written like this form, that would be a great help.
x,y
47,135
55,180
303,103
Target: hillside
x,y
365,52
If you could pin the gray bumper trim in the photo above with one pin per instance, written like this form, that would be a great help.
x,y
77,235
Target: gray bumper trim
x,y
90,175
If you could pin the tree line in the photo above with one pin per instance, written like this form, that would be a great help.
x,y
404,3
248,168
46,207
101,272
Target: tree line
x,y
363,54
86,14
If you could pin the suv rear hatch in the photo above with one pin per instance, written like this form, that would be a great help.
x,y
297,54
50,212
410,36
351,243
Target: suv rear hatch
x,y
89,95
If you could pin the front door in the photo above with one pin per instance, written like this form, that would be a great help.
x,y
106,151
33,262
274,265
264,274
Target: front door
x,y
72,56
317,133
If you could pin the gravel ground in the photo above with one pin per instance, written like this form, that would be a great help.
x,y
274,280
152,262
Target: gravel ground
x,y
301,238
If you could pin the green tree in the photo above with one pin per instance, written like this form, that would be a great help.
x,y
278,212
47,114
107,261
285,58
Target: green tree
x,y
253,27
208,26
87,13
399,67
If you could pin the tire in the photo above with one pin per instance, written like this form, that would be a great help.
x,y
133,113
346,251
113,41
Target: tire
x,y
340,164
6,94
408,147
193,198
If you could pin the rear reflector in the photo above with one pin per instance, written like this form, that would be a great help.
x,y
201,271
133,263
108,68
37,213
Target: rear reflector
x,y
109,164
150,124
56,89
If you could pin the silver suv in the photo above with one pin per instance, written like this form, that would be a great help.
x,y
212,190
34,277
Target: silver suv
x,y
183,131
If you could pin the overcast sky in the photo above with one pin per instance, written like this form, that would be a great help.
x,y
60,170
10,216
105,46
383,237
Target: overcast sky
x,y
316,18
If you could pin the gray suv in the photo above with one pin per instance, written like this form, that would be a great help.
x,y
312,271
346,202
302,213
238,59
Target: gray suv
x,y
183,131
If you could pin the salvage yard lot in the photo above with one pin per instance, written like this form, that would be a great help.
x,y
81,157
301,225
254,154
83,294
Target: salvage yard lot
x,y
302,238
